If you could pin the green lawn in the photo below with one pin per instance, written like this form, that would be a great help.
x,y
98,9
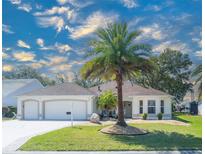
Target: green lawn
x,y
6,119
161,137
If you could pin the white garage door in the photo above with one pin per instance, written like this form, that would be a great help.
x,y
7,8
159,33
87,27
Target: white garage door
x,y
30,110
56,110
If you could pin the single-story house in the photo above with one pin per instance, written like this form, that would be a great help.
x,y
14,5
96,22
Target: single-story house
x,y
14,87
61,101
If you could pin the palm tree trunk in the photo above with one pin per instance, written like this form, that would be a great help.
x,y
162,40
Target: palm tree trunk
x,y
121,119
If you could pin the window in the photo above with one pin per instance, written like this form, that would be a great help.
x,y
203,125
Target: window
x,y
141,106
162,106
151,106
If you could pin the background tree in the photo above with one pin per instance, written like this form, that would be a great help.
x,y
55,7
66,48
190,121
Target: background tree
x,y
197,72
107,101
86,83
170,73
26,72
116,56
60,78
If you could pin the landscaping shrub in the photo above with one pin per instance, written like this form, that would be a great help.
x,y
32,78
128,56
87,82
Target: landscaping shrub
x,y
159,115
144,117
4,111
11,109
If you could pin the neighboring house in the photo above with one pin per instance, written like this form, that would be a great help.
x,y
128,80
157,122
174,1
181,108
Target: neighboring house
x,y
188,104
13,87
54,102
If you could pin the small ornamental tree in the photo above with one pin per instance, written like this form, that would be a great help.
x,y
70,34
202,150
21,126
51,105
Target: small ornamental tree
x,y
107,100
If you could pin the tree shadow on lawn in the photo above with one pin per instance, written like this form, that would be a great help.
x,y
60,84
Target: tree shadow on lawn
x,y
180,119
160,140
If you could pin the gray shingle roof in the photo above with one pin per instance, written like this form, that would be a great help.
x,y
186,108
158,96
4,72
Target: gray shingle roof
x,y
128,89
61,89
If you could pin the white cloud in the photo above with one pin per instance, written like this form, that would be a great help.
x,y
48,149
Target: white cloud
x,y
155,8
75,62
21,6
62,2
196,36
198,41
47,48
24,56
91,23
7,68
134,22
6,49
175,45
36,65
15,2
54,60
7,29
22,44
130,3
76,3
198,54
60,68
57,11
152,32
183,17
61,48
54,21
55,17
40,42
5,55
25,7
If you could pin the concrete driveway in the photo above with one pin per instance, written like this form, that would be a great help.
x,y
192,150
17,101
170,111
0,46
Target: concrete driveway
x,y
15,130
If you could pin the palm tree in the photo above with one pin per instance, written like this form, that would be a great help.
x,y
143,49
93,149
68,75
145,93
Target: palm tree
x,y
116,56
197,72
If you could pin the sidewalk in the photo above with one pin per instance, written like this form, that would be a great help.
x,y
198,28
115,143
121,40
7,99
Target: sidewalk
x,y
107,152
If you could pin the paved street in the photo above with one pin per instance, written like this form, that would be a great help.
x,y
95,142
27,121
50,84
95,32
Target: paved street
x,y
115,152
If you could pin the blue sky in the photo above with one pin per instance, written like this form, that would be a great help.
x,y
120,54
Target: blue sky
x,y
52,35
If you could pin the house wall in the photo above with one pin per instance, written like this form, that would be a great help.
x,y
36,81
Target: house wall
x,y
199,108
91,106
41,99
167,106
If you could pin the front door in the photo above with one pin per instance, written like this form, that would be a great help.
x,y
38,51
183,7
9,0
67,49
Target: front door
x,y
128,109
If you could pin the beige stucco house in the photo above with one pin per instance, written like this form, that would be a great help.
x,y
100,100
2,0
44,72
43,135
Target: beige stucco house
x,y
63,101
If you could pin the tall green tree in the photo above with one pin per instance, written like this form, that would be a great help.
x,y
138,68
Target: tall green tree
x,y
116,56
26,72
170,73
86,83
197,72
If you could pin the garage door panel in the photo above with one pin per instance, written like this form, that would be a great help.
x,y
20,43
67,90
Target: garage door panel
x,y
79,110
30,110
56,110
